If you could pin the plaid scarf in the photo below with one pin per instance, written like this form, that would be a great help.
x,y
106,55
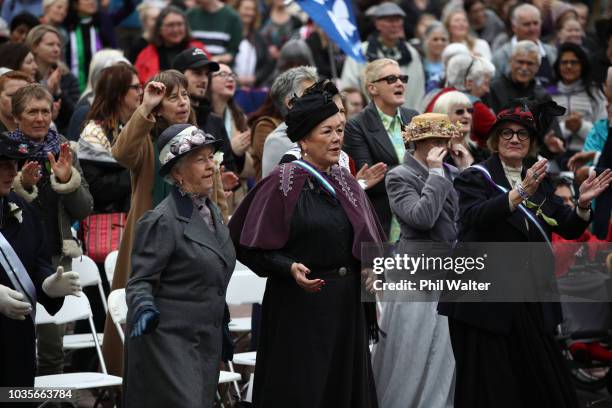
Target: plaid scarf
x,y
51,144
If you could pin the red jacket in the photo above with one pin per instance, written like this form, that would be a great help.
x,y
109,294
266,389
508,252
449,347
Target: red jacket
x,y
147,62
483,118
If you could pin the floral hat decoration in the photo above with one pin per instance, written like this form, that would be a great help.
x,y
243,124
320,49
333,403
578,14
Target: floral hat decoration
x,y
430,125
178,140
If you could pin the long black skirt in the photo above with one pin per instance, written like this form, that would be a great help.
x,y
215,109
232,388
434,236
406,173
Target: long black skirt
x,y
313,348
522,369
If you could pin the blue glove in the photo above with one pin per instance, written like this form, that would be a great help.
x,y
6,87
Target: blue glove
x,y
146,323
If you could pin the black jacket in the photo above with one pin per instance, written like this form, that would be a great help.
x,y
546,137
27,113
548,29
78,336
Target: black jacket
x,y
215,126
485,216
503,90
367,141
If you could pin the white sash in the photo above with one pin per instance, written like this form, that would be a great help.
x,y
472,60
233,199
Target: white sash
x,y
17,273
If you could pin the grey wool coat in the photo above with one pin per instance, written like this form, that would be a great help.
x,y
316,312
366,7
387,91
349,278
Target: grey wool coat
x,y
181,268
426,206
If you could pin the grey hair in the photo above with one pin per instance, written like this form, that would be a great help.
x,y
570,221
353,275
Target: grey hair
x,y
168,178
433,28
457,75
449,101
100,60
521,8
526,47
289,83
452,50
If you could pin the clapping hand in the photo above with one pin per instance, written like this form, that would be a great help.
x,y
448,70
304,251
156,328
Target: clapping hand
x,y
372,175
30,174
62,167
229,179
299,272
534,176
580,159
461,156
593,186
240,142
62,284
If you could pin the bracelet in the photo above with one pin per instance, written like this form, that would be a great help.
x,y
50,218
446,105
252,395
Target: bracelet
x,y
521,191
588,208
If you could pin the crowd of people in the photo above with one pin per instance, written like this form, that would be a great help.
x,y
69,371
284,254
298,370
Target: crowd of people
x,y
202,133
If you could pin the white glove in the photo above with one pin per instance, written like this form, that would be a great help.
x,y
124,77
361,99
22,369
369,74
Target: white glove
x,y
62,284
11,304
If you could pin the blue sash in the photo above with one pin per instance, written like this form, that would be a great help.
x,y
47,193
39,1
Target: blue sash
x,y
316,174
521,207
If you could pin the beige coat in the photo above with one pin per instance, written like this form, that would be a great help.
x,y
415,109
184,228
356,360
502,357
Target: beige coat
x,y
134,150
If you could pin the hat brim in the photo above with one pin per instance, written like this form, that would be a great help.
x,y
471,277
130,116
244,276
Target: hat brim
x,y
211,65
164,170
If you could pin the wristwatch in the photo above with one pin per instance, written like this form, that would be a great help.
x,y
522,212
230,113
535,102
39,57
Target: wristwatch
x,y
588,208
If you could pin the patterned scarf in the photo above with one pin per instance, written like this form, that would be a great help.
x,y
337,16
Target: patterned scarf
x,y
51,144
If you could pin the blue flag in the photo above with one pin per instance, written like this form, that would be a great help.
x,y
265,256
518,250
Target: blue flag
x,y
336,18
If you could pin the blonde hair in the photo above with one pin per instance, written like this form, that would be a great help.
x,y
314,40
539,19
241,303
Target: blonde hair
x,y
372,70
469,39
36,35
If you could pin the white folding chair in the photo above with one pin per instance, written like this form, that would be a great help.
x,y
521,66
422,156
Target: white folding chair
x,y
244,287
109,265
89,275
76,308
117,308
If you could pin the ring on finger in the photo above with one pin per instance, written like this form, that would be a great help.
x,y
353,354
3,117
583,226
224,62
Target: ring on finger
x,y
535,175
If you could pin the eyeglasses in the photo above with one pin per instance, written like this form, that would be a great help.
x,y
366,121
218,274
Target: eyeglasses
x,y
171,26
569,62
136,87
226,75
391,79
508,134
460,112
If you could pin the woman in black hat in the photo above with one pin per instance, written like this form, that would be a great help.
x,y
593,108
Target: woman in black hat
x,y
505,353
182,260
26,274
302,227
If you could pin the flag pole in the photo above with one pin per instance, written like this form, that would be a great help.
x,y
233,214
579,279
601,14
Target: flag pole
x,y
332,60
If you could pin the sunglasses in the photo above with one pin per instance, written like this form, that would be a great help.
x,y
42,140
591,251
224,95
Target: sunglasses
x,y
508,134
461,111
391,79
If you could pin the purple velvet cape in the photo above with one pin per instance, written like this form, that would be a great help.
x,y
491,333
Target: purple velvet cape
x,y
263,219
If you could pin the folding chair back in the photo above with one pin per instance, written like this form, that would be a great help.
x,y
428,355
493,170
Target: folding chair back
x,y
89,275
109,265
117,307
245,287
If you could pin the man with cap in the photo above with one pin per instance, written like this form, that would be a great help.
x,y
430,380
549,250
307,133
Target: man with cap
x,y
182,261
196,67
26,274
388,41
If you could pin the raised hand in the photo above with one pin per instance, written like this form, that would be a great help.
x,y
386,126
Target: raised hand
x,y
62,167
372,175
435,157
153,95
461,155
62,284
12,305
241,142
229,179
30,174
299,272
534,176
593,186
580,159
